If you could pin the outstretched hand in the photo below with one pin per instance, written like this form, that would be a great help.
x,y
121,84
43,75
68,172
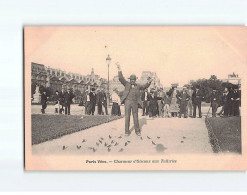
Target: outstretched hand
x,y
118,66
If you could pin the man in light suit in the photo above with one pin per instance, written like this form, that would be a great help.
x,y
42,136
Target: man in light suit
x,y
131,99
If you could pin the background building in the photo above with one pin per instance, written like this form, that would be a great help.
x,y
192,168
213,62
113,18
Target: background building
x,y
56,79
233,78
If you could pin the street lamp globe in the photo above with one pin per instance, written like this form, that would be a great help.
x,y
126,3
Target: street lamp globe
x,y
108,59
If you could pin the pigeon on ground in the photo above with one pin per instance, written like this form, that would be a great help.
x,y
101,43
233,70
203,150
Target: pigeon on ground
x,y
109,136
78,147
94,150
126,143
148,137
109,149
101,138
112,141
158,137
120,137
116,144
182,141
100,141
141,138
153,143
121,150
84,140
184,137
97,143
64,147
109,146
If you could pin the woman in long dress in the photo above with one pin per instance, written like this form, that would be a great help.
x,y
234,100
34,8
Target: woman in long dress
x,y
174,108
115,104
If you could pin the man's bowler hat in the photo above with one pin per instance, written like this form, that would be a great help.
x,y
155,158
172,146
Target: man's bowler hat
x,y
132,77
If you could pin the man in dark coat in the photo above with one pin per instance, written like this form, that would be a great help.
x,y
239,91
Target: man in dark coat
x,y
92,96
153,104
104,101
183,98
99,101
86,102
43,102
68,96
57,101
62,101
235,97
131,99
197,97
214,99
145,100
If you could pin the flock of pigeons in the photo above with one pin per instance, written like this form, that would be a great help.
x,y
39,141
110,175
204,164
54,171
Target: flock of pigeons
x,y
109,143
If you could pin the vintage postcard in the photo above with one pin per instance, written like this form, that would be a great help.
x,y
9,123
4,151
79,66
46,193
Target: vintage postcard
x,y
135,97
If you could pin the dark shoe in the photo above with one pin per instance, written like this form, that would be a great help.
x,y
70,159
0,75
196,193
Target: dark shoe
x,y
127,134
138,133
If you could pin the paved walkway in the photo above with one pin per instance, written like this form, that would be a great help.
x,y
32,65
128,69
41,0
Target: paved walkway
x,y
166,135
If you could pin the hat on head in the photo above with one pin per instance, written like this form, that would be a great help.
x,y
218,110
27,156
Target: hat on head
x,y
132,77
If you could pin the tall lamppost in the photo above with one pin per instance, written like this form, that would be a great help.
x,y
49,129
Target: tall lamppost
x,y
108,61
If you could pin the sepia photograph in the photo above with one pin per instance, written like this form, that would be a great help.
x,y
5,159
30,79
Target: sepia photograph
x,y
135,97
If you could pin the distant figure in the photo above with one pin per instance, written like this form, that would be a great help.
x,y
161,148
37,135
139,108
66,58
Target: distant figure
x,y
92,96
57,101
86,102
225,102
174,109
153,104
235,97
197,101
190,107
104,101
100,101
214,99
43,102
131,99
116,102
62,101
183,99
160,97
68,96
166,102
145,101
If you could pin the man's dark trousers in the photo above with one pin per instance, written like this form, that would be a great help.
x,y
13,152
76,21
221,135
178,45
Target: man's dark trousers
x,y
67,109
131,105
195,105
100,108
145,108
214,108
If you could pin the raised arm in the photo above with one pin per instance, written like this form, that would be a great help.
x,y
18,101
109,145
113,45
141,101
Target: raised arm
x,y
142,87
120,75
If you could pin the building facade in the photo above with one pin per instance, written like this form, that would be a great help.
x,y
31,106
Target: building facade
x,y
233,78
56,79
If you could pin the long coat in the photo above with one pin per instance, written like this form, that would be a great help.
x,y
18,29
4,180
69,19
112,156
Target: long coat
x,y
127,89
197,97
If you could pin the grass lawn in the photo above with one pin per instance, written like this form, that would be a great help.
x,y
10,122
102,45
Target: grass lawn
x,y
228,133
47,127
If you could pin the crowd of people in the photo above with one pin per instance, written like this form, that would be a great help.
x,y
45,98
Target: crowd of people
x,y
155,103
173,103
90,99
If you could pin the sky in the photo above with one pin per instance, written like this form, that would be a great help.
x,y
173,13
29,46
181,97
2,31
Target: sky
x,y
176,54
